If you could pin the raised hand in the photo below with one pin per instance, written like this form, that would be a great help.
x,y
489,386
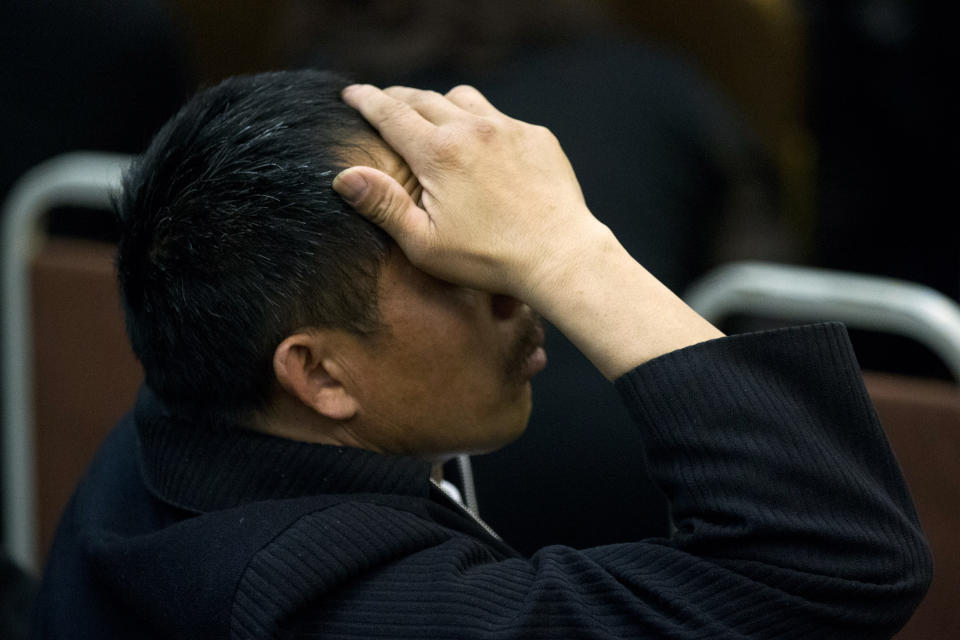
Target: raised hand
x,y
502,211
499,200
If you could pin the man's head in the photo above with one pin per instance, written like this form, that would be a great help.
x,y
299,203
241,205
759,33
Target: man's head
x,y
232,238
255,296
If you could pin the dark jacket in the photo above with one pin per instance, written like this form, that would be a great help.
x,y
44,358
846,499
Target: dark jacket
x,y
791,519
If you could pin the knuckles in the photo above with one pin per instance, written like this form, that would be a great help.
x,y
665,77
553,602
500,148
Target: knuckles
x,y
453,143
456,144
423,98
386,204
447,146
379,203
463,92
391,112
484,130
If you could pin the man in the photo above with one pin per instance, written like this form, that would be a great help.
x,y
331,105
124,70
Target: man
x,y
305,374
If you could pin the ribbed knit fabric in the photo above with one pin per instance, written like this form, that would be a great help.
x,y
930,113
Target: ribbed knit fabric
x,y
792,522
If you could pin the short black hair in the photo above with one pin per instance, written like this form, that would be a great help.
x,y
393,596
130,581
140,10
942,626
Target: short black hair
x,y
232,239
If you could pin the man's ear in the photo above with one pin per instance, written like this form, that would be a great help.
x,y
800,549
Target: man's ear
x,y
304,370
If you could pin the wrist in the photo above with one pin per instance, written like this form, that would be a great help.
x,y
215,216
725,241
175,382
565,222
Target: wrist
x,y
563,263
616,312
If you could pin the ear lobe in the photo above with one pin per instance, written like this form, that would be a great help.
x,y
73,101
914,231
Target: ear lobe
x,y
304,373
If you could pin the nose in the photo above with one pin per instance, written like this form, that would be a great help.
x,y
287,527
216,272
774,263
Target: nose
x,y
504,307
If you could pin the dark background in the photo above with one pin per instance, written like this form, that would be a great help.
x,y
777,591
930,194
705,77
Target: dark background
x,y
815,132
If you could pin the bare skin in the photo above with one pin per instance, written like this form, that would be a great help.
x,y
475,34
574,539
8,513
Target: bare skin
x,y
448,371
501,211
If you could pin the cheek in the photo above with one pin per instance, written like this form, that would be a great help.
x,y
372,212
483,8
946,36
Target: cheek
x,y
454,369
446,345
445,397
470,365
448,338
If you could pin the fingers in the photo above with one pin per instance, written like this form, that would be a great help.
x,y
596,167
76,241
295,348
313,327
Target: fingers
x,y
469,99
398,123
439,109
429,104
383,201
376,107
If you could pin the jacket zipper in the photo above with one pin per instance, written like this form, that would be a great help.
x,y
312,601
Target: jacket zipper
x,y
467,511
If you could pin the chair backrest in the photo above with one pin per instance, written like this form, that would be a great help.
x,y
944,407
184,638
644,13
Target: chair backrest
x,y
922,421
920,417
80,180
85,374
807,294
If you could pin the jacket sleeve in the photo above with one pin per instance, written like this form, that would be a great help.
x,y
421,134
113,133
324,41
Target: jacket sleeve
x,y
781,480
791,521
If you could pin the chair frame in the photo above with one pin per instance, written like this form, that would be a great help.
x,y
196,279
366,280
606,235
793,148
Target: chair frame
x,y
862,301
85,179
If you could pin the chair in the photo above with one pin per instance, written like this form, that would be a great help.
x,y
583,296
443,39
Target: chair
x,y
40,466
920,417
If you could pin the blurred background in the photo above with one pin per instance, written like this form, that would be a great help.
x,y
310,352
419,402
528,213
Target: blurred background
x,y
808,132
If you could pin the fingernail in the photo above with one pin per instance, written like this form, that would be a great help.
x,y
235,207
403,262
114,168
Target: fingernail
x,y
350,88
350,184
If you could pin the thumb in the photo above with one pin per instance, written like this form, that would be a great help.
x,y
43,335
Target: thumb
x,y
382,200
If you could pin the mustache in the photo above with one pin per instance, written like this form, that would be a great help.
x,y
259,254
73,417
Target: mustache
x,y
529,337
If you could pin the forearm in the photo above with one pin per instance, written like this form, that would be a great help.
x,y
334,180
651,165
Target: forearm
x,y
790,511
616,312
500,210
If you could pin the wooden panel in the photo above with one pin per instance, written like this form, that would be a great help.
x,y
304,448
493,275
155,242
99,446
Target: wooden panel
x,y
922,421
85,375
755,52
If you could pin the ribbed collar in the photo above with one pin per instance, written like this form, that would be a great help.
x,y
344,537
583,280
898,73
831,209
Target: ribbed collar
x,y
200,469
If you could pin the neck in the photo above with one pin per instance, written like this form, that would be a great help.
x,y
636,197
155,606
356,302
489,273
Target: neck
x,y
290,419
